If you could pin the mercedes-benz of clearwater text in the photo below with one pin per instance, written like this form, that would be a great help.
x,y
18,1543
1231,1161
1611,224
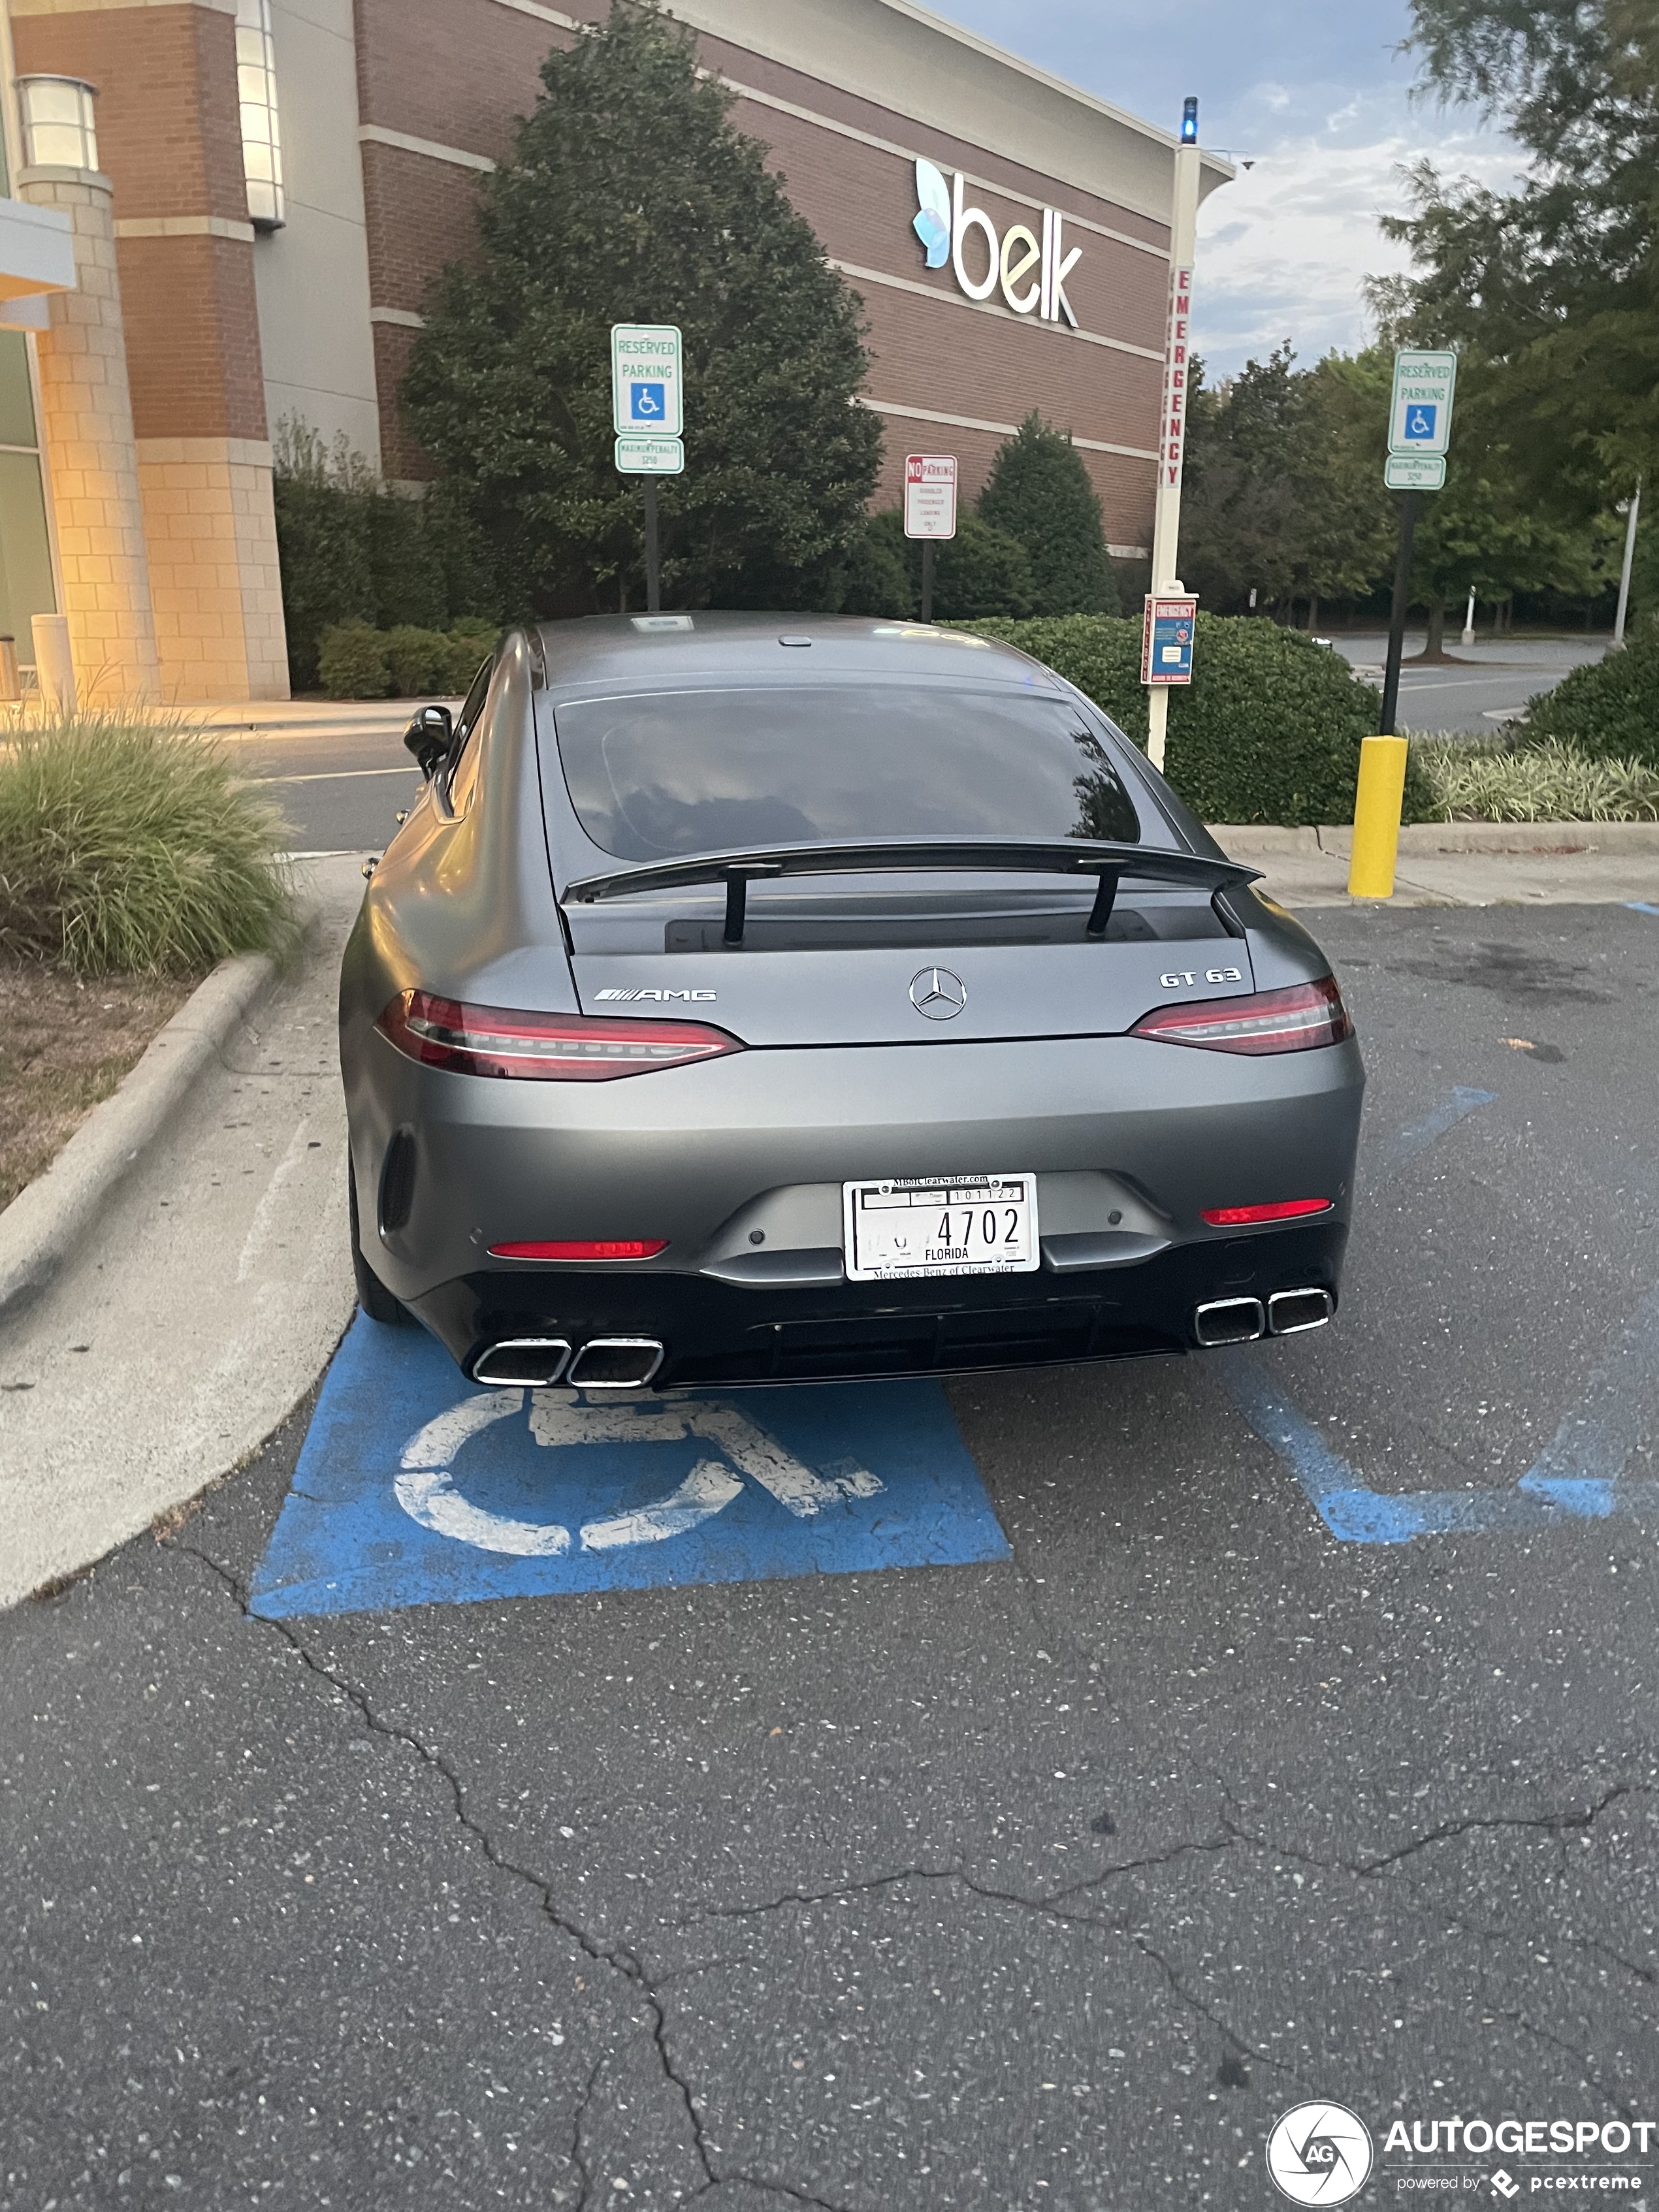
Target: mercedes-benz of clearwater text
x,y
764,1000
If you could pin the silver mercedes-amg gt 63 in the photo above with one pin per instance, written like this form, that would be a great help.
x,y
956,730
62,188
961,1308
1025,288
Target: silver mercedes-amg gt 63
x,y
768,999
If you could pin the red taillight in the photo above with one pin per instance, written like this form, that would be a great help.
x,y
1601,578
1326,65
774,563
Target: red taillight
x,y
601,1248
546,1047
1294,1020
1286,1209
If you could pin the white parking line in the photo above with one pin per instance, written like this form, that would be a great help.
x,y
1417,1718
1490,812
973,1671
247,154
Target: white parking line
x,y
333,774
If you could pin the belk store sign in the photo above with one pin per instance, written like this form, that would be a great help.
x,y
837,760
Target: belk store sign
x,y
1030,271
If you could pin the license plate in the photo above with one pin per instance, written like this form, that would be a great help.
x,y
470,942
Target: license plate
x,y
914,1225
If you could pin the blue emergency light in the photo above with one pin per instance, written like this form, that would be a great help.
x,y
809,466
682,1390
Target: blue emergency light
x,y
1189,120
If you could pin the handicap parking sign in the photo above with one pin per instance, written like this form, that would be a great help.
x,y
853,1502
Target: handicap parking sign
x,y
1419,422
647,402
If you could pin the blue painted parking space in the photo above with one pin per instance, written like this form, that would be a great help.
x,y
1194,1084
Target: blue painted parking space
x,y
1592,1468
415,1488
1583,1473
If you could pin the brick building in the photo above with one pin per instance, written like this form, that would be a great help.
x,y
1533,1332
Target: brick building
x,y
220,214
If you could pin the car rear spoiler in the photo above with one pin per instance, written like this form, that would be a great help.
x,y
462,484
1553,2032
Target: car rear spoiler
x,y
1109,863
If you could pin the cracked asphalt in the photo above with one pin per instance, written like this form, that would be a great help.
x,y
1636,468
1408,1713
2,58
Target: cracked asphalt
x,y
1045,1883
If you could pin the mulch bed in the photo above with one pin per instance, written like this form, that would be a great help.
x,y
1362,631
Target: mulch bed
x,y
65,1042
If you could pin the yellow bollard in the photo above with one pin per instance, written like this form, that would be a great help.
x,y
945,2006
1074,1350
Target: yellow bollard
x,y
1377,816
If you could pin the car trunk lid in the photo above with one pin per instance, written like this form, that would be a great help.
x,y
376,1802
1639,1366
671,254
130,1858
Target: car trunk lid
x,y
849,965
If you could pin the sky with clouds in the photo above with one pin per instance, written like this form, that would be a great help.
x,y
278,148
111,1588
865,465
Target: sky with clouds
x,y
1315,94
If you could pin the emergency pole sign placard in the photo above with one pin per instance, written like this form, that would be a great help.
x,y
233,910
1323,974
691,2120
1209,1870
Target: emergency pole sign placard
x,y
1166,640
930,494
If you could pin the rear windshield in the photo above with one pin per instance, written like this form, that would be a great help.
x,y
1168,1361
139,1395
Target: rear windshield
x,y
672,772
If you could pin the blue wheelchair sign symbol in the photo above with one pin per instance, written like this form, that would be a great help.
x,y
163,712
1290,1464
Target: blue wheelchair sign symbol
x,y
1420,422
646,403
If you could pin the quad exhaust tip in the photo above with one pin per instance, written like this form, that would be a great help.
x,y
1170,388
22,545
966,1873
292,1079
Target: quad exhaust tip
x,y
536,1362
1241,1321
1289,1312
616,1363
1229,1320
533,1362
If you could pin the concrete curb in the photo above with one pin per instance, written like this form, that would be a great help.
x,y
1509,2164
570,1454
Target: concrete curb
x,y
1245,841
47,1219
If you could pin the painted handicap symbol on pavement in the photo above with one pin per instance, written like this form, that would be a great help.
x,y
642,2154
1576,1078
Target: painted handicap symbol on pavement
x,y
414,1488
426,1490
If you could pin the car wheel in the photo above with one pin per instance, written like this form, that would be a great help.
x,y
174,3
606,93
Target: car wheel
x,y
373,1296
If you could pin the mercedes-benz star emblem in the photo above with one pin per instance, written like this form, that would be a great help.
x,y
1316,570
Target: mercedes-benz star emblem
x,y
937,993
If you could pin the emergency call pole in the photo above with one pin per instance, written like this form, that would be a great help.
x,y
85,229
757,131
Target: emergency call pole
x,y
1172,438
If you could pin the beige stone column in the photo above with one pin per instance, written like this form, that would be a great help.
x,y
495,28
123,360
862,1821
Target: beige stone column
x,y
211,529
90,453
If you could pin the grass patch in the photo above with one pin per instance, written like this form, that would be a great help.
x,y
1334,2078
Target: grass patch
x,y
128,847
1552,780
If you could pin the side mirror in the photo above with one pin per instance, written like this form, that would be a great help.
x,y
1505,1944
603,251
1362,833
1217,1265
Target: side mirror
x,y
430,737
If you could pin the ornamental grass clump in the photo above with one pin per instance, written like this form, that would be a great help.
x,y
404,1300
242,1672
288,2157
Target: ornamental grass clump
x,y
128,847
1550,781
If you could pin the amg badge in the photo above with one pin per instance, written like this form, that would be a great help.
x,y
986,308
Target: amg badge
x,y
662,997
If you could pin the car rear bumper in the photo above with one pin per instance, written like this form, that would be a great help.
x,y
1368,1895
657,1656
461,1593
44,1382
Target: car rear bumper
x,y
703,1156
715,1332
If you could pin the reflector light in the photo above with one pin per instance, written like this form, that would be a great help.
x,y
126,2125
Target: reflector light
x,y
1293,1020
544,1048
600,1248
1286,1209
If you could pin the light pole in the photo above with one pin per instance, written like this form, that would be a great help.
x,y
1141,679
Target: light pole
x,y
1172,430
1635,509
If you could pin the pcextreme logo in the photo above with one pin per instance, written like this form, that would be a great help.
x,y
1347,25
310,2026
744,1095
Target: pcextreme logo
x,y
1029,272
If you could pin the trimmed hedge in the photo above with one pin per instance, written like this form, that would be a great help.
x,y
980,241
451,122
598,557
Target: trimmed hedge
x,y
1609,709
354,551
1269,729
356,662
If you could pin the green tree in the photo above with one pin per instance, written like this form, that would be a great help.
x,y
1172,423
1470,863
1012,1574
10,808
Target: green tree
x,y
1242,524
1039,492
629,198
1284,491
980,571
1489,530
878,580
1348,541
1557,281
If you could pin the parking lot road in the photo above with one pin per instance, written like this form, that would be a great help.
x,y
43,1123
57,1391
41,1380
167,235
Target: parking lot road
x,y
1479,686
1044,1878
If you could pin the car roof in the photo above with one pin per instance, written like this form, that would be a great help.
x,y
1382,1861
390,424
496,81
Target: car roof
x,y
655,650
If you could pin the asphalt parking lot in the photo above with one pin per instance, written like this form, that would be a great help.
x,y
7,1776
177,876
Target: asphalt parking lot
x,y
1290,1733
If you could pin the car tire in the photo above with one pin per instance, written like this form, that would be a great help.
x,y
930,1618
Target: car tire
x,y
373,1296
